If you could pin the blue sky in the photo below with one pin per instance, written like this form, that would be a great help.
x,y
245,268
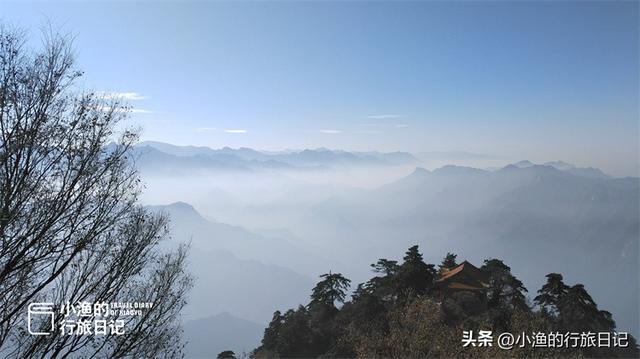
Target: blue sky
x,y
535,80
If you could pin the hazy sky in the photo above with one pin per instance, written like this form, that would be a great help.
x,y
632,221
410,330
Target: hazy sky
x,y
541,81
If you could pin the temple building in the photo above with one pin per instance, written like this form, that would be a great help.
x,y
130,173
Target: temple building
x,y
464,276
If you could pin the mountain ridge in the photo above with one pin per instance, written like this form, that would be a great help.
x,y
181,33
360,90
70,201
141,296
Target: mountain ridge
x,y
244,158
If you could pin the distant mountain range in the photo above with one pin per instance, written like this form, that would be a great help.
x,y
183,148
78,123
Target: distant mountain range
x,y
550,217
238,273
261,266
164,157
569,168
159,157
187,225
545,218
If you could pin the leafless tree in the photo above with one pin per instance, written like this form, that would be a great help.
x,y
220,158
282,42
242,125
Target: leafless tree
x,y
71,228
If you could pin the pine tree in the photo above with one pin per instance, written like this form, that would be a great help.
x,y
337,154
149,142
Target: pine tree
x,y
385,266
272,332
551,294
448,262
332,289
414,274
505,290
579,312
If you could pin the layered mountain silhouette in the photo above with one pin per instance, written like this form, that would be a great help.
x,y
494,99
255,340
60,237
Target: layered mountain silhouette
x,y
238,273
166,158
543,218
187,225
567,167
551,217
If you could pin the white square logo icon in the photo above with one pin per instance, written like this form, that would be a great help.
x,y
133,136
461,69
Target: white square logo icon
x,y
40,318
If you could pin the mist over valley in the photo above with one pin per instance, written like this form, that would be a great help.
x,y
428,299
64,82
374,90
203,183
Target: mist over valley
x,y
263,226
